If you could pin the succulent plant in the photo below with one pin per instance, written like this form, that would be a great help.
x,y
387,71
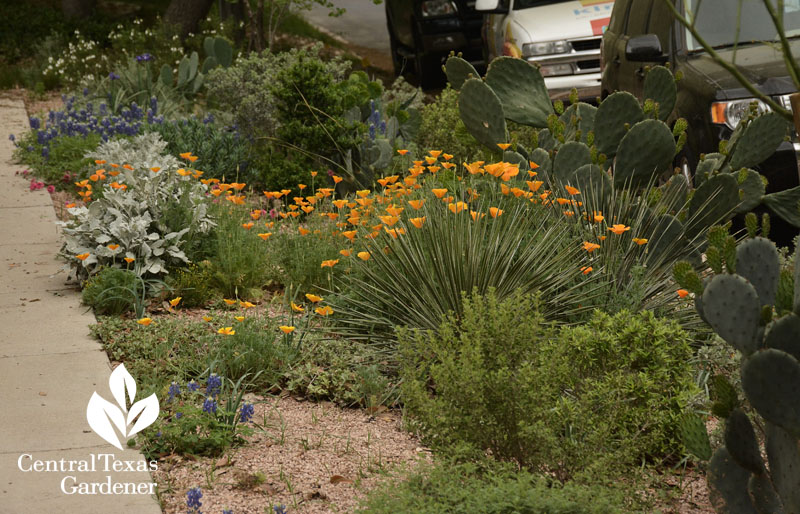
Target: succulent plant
x,y
739,307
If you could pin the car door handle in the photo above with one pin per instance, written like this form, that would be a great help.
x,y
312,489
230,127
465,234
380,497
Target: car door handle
x,y
640,73
617,61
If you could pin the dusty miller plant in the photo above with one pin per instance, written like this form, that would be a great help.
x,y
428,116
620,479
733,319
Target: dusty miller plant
x,y
148,221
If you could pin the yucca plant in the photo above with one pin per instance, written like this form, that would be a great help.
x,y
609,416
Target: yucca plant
x,y
498,242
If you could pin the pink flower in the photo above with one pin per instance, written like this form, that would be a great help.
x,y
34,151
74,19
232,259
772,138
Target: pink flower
x,y
273,213
51,188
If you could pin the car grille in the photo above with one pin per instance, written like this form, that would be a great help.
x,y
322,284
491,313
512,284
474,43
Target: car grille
x,y
584,45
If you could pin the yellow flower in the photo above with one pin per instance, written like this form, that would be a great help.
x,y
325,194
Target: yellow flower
x,y
207,318
590,247
228,331
265,235
286,329
239,318
619,228
297,308
336,179
324,311
144,321
329,263
313,298
503,146
389,220
364,256
229,302
175,301
246,305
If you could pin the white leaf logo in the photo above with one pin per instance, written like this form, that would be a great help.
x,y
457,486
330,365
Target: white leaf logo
x,y
103,416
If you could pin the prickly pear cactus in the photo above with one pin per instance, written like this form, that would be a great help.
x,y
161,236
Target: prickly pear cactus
x,y
482,113
615,115
521,90
739,307
659,86
458,71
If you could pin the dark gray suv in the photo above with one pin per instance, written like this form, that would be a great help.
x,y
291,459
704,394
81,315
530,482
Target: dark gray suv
x,y
645,32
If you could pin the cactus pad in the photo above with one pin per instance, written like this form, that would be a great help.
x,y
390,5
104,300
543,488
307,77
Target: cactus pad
x,y
695,437
751,190
569,158
731,307
763,494
482,113
579,117
727,483
757,261
784,334
771,382
521,90
541,158
712,203
458,71
644,153
786,204
612,114
759,140
594,185
784,465
740,440
659,86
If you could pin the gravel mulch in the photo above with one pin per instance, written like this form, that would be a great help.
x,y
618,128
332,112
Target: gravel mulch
x,y
311,457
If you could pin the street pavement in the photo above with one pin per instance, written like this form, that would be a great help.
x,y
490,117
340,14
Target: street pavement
x,y
363,23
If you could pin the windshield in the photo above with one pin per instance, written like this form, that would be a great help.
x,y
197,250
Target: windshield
x,y
716,22
525,4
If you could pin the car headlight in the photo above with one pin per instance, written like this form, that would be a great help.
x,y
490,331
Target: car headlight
x,y
545,48
730,113
432,8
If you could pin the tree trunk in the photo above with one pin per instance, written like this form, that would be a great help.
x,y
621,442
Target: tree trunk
x,y
186,14
236,11
77,8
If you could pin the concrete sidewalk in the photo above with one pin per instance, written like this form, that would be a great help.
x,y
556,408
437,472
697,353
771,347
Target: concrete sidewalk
x,y
49,365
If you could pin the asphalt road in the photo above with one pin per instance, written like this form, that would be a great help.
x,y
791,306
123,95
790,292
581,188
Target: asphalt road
x,y
363,23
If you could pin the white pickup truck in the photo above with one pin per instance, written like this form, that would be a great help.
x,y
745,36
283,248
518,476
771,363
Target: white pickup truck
x,y
562,36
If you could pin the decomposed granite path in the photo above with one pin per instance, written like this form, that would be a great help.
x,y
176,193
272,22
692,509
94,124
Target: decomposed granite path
x,y
50,367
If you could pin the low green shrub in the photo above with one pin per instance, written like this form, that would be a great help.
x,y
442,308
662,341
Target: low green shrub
x,y
583,400
464,488
441,128
60,162
193,284
221,153
113,291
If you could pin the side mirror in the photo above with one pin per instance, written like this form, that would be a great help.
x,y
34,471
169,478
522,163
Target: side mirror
x,y
644,48
492,6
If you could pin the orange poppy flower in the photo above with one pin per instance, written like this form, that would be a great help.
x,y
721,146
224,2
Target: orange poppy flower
x,y
495,212
324,311
112,247
265,235
683,293
313,298
297,308
82,257
640,241
128,259
346,252
228,331
619,229
286,329
364,256
439,192
303,231
590,247
144,321
329,263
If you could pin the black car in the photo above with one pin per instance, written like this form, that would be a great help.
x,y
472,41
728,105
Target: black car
x,y
423,32
646,32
